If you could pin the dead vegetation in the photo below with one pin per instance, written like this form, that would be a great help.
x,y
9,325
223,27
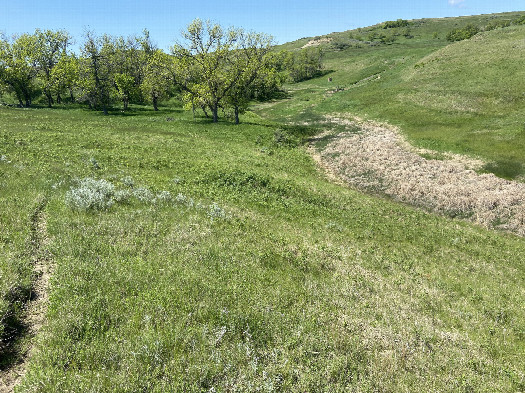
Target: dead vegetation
x,y
378,159
316,42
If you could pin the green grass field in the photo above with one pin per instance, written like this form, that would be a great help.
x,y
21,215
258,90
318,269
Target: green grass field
x,y
289,283
226,261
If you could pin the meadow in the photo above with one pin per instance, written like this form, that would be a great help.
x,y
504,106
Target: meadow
x,y
255,272
210,257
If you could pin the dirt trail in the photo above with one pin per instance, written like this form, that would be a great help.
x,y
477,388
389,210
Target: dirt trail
x,y
377,158
34,314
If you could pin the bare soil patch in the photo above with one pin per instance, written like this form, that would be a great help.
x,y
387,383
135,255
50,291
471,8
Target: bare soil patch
x,y
34,314
316,42
378,159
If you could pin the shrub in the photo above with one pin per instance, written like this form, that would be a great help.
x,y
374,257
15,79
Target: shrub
x,y
91,194
143,194
164,197
497,24
407,33
387,39
128,181
395,23
214,211
122,196
519,21
462,34
340,45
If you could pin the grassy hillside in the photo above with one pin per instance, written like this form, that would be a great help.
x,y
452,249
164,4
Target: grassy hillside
x,y
199,257
466,97
255,273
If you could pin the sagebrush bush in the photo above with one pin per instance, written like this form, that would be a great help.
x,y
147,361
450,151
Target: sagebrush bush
x,y
143,194
164,197
395,23
128,181
214,211
91,194
123,196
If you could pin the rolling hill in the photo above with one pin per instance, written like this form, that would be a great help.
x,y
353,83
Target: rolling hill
x,y
188,256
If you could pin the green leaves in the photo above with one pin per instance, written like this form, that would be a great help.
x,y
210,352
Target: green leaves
x,y
218,68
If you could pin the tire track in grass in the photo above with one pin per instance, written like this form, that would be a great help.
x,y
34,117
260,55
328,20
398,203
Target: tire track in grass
x,y
33,318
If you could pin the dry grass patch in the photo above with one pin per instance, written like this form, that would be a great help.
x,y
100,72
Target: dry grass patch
x,y
379,159
316,42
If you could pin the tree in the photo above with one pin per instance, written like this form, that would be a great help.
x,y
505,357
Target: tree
x,y
49,47
127,64
96,70
159,77
216,67
17,70
304,64
462,33
64,77
252,69
203,63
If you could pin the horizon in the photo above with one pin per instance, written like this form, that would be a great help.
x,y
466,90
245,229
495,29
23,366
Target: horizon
x,y
285,22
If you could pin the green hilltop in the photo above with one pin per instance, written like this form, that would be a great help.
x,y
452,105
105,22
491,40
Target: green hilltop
x,y
466,97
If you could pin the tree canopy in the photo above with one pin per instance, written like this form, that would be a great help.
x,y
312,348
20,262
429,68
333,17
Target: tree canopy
x,y
212,68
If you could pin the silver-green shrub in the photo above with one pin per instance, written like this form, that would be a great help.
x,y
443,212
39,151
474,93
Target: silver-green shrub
x,y
123,196
91,194
143,194
214,211
164,197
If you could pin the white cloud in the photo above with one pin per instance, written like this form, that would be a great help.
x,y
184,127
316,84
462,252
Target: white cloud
x,y
454,3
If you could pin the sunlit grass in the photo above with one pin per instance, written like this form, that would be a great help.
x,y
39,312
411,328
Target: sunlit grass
x,y
287,283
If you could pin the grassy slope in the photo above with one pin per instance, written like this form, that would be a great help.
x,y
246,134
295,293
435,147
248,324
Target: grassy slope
x,y
304,286
466,97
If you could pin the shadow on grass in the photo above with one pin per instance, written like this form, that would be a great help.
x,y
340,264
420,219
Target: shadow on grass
x,y
139,111
322,142
14,331
506,169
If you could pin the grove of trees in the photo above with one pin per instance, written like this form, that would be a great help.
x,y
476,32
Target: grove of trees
x,y
210,69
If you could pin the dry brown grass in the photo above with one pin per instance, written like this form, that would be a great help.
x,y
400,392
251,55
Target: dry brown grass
x,y
378,159
316,42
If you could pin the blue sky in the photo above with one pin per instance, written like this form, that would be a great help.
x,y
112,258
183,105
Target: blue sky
x,y
286,20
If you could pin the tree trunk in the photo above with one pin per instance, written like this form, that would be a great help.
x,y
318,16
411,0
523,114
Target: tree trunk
x,y
215,110
19,98
204,110
71,95
155,102
236,115
49,100
126,102
27,99
104,108
59,99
